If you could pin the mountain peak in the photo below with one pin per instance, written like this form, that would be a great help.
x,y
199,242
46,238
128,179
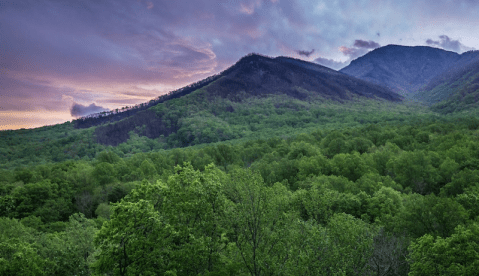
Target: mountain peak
x,y
257,75
253,78
252,57
403,69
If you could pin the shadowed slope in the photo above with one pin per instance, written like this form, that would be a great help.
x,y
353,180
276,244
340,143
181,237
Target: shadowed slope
x,y
406,69
454,91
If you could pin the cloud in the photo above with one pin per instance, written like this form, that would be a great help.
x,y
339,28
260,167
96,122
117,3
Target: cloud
x,y
352,52
359,48
305,53
447,43
358,43
331,63
115,42
28,95
79,110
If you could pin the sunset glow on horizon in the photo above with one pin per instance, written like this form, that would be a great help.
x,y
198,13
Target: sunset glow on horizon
x,y
64,59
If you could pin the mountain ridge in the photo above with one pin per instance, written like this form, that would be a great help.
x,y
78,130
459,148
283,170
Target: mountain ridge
x,y
253,76
406,69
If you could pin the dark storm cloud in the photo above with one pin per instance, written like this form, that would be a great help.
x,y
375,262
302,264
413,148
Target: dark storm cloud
x,y
447,43
79,110
358,43
336,65
305,53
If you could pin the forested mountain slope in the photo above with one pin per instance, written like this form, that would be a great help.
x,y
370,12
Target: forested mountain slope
x,y
453,91
254,80
406,69
256,97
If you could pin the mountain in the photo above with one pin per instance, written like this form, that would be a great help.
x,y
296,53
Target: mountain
x,y
406,69
253,81
261,76
454,90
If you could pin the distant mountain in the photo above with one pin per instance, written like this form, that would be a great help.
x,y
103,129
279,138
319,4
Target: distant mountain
x,y
252,77
455,90
406,69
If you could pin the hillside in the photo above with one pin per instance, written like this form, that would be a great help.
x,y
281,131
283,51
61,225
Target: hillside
x,y
406,69
454,90
258,97
255,80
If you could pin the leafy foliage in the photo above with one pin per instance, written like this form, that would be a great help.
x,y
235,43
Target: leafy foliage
x,y
343,201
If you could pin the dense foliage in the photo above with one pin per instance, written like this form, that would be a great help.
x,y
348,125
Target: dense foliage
x,y
373,199
197,120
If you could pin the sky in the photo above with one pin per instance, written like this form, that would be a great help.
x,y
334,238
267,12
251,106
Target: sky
x,y
61,59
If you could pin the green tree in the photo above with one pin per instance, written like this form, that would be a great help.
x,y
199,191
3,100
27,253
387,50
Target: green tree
x,y
351,245
260,219
193,205
20,258
311,166
134,241
351,166
78,236
360,144
460,182
429,214
104,173
384,204
18,252
148,169
310,250
322,202
415,170
470,200
373,182
454,255
108,157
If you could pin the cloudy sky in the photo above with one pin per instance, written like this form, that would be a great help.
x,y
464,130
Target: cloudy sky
x,y
65,58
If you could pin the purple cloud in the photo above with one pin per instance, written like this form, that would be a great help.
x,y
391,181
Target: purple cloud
x,y
358,43
79,110
331,63
352,52
359,48
305,53
447,43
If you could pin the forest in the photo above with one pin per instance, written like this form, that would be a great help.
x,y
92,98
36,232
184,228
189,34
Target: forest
x,y
360,197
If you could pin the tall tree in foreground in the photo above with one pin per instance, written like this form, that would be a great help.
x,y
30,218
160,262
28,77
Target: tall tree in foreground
x,y
260,220
135,241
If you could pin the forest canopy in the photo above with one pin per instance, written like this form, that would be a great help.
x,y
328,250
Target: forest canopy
x,y
390,199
